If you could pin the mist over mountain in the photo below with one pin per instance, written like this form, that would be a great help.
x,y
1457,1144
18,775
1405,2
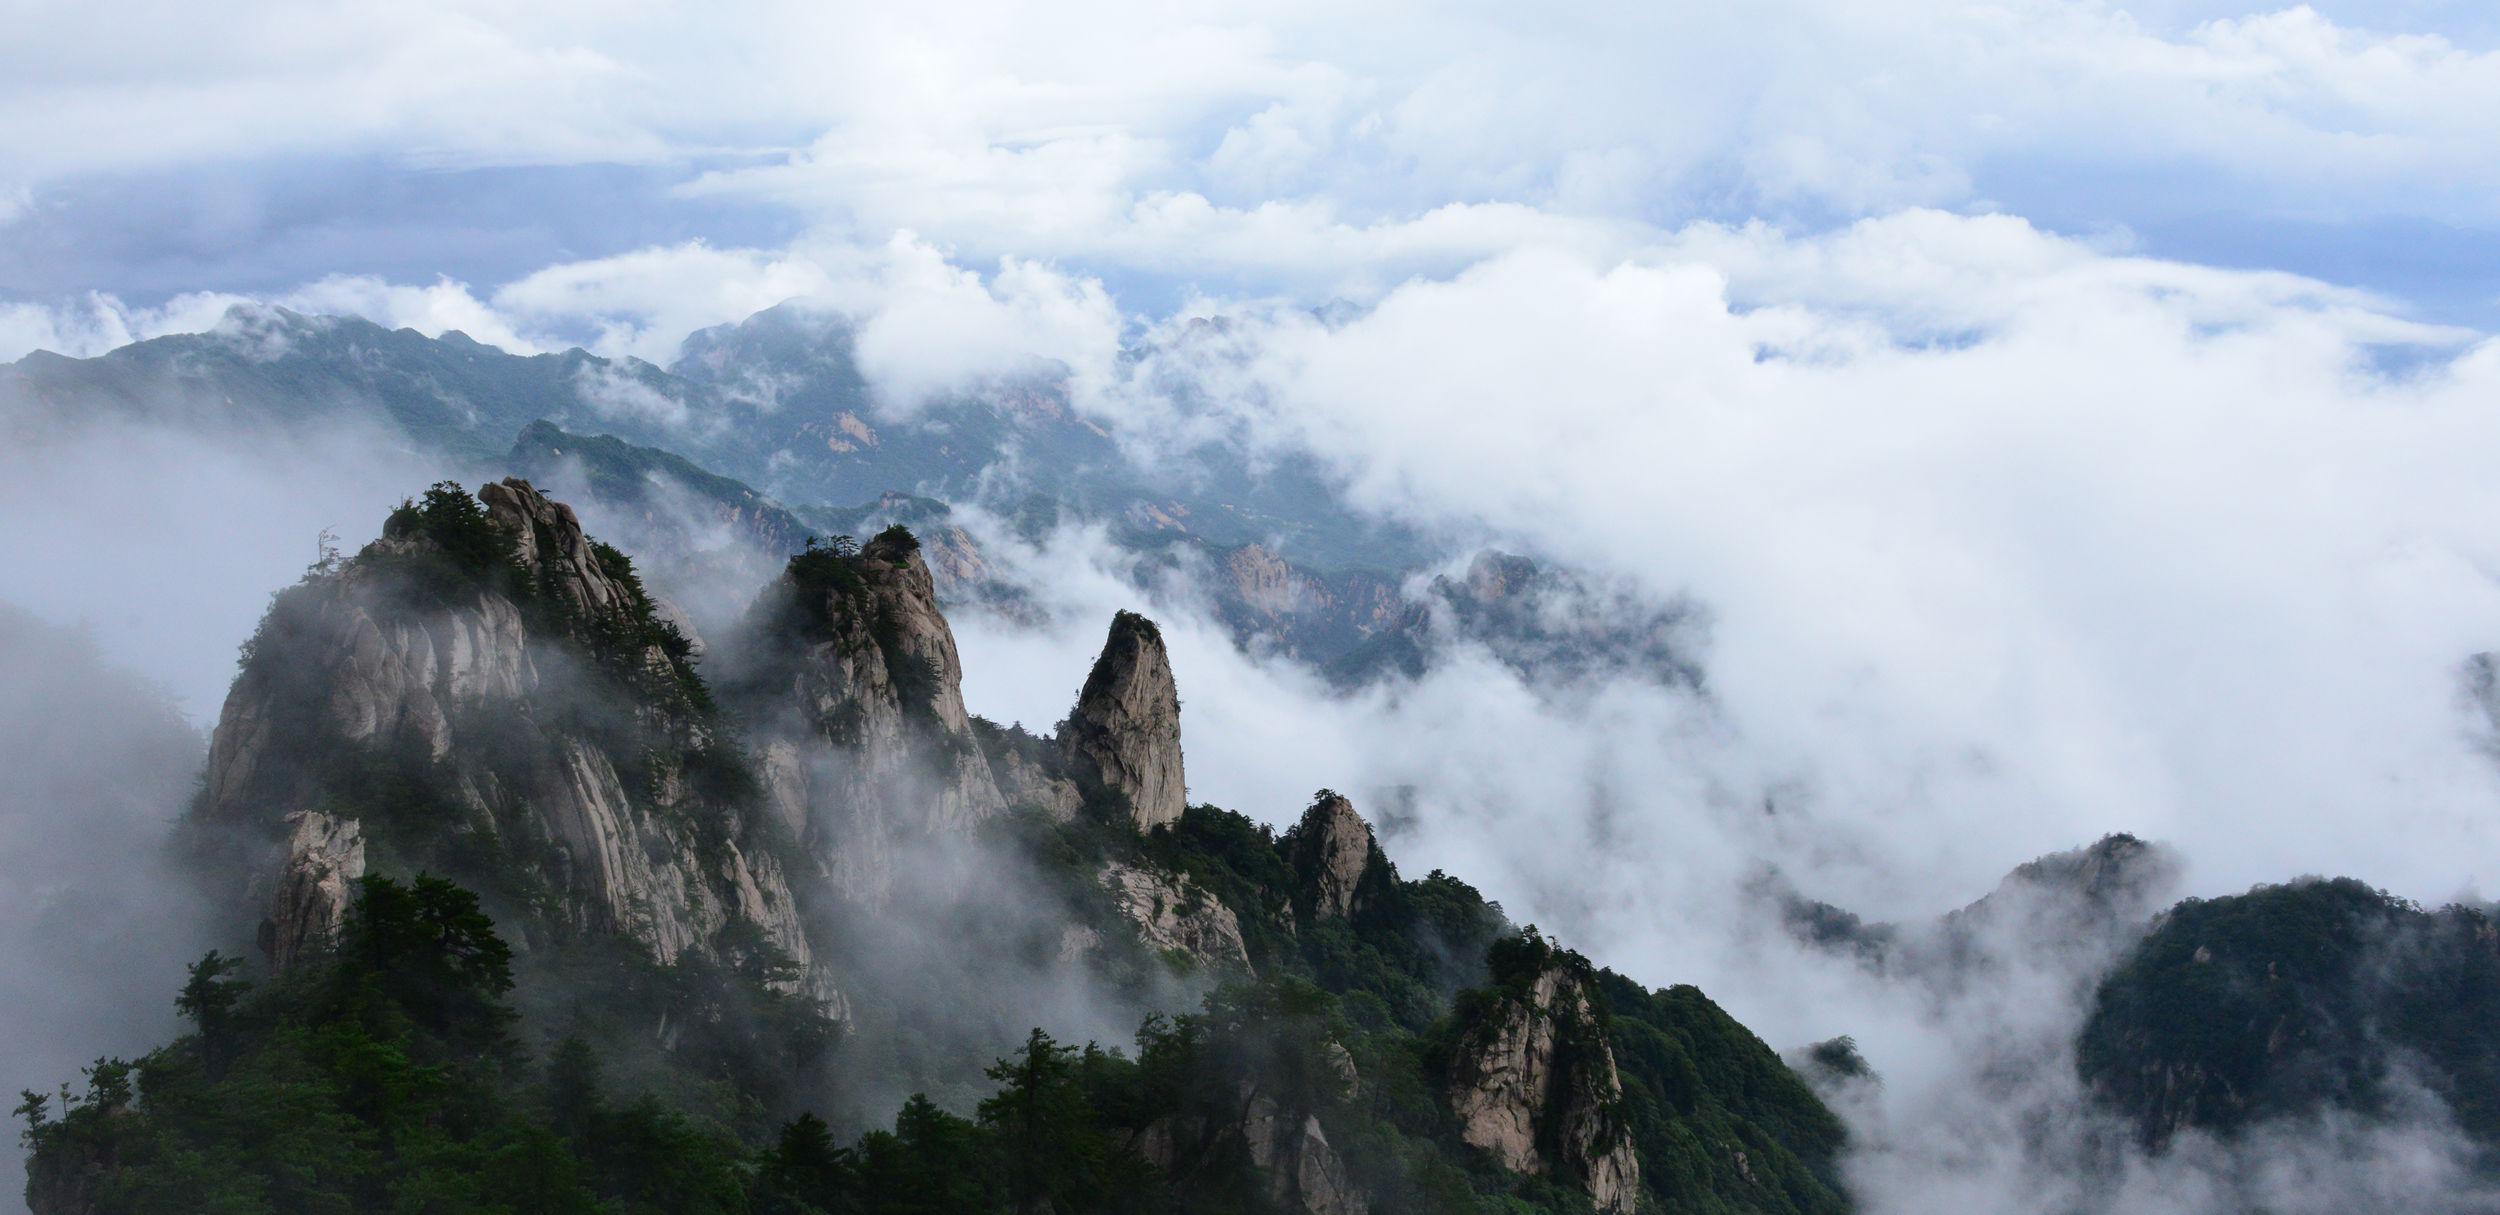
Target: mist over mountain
x,y
803,609
803,838
1289,562
502,846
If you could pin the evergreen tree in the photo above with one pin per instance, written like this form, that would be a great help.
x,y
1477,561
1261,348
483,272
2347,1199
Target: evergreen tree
x,y
1045,1131
207,1002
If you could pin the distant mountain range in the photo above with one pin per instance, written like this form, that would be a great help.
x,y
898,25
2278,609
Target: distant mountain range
x,y
776,401
764,432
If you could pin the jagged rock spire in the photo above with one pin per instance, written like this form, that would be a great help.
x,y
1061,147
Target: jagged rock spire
x,y
859,689
1124,738
1331,851
549,541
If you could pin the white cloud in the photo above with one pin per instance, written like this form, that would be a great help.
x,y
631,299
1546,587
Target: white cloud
x,y
76,330
931,328
1634,113
617,393
169,84
2007,540
2017,539
2010,538
645,302
1187,140
97,322
433,310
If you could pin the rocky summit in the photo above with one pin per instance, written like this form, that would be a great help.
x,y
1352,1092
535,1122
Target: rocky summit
x,y
486,692
1123,739
543,904
515,868
1334,857
857,690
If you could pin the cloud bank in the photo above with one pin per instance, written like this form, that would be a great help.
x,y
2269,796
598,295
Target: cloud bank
x,y
2015,525
1293,149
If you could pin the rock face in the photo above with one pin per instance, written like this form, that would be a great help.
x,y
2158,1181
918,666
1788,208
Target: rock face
x,y
503,689
1287,1147
1533,1083
860,699
1123,740
1303,1172
1173,913
1264,583
1036,782
1335,859
324,857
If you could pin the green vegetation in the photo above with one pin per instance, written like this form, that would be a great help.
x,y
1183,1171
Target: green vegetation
x,y
827,569
384,1078
621,642
2296,998
1721,1125
897,540
460,551
386,1075
391,1074
831,593
420,1063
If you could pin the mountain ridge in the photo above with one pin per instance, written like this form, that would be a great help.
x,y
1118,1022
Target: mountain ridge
x,y
487,692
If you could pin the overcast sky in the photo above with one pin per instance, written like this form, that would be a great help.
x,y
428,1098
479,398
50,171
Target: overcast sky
x,y
2072,416
2056,403
2075,416
148,150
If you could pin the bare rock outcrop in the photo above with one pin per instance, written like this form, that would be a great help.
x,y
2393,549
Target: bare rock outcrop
x,y
859,694
1264,584
1303,1172
1335,859
324,857
1173,913
1284,1143
491,669
1030,781
1533,1083
1123,740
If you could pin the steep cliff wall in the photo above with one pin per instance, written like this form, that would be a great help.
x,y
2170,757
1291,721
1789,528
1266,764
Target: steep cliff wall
x,y
488,693
1533,1083
857,692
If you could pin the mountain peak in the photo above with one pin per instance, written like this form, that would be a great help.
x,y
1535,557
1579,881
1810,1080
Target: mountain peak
x,y
1124,737
859,689
486,671
1332,852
